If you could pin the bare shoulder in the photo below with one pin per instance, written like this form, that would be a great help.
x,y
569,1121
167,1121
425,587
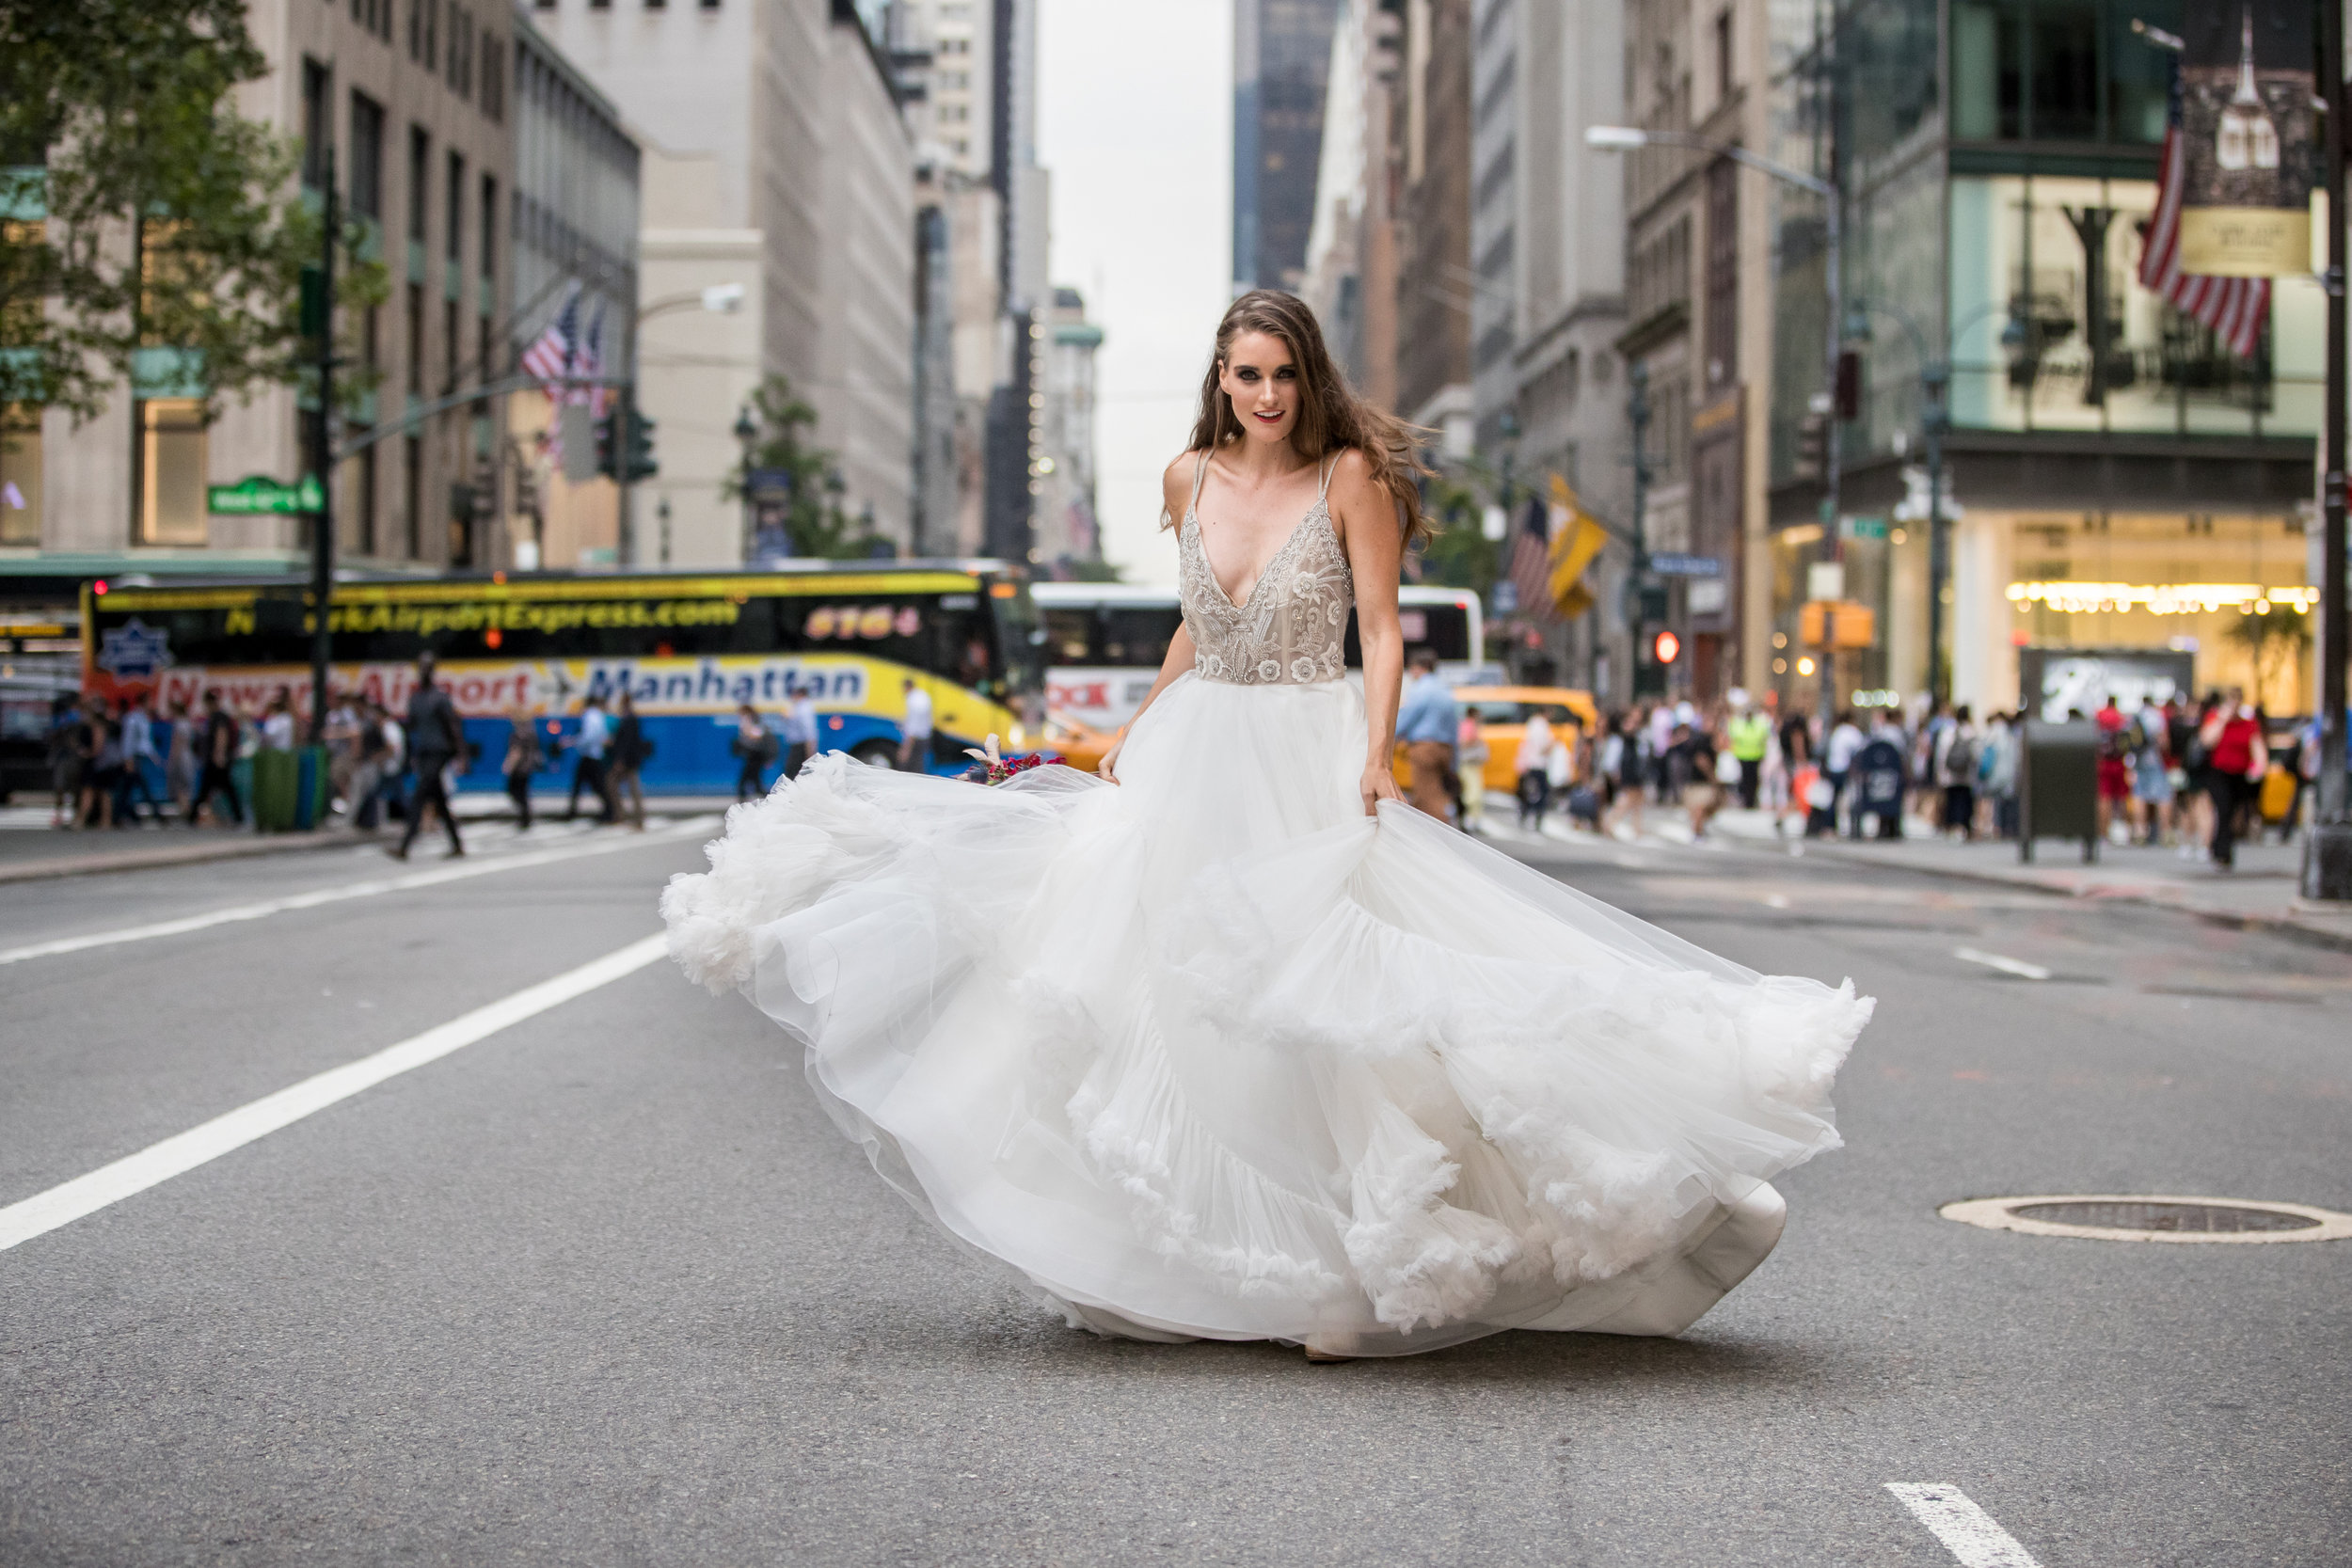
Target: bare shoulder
x,y
1357,490
1176,482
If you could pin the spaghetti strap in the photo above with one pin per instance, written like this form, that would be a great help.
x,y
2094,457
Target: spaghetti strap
x,y
1200,473
1323,490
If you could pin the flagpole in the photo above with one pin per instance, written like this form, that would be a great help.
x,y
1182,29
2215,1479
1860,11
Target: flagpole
x,y
2328,848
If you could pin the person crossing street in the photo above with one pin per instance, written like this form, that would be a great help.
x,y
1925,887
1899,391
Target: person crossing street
x,y
436,739
1751,736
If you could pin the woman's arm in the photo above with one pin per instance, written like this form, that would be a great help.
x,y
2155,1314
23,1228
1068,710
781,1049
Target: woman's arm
x,y
1364,514
1175,496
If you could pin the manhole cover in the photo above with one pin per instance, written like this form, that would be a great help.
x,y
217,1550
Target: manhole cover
x,y
2112,1217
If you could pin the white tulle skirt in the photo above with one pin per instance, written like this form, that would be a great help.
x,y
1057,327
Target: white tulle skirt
x,y
1209,1054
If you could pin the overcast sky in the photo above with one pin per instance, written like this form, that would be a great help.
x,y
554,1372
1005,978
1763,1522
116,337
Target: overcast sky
x,y
1135,119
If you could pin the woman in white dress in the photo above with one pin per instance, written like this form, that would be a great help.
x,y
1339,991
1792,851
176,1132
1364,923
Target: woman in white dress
x,y
1228,1042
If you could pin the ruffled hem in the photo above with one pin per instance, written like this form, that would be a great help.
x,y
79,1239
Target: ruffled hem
x,y
1212,1059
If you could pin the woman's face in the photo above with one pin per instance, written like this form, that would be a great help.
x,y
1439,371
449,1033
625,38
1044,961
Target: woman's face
x,y
1260,376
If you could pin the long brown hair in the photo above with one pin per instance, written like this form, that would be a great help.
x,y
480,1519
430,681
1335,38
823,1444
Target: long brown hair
x,y
1331,418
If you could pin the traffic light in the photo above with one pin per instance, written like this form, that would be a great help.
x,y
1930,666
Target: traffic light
x,y
1849,386
1813,447
1667,646
604,448
637,446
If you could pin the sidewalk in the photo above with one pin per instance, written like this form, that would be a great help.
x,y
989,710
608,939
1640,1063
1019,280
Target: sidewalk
x,y
32,850
2260,893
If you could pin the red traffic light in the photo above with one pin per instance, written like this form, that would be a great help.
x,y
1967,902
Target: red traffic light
x,y
1667,646
98,587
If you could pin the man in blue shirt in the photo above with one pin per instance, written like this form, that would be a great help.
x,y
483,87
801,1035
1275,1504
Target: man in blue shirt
x,y
1429,722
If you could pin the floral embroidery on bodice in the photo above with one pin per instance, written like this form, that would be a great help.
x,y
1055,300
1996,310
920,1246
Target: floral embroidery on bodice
x,y
1290,629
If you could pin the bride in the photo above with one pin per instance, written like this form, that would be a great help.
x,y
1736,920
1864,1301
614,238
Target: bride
x,y
1231,1043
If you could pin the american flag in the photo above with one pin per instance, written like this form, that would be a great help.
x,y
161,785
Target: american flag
x,y
2233,308
1531,562
550,358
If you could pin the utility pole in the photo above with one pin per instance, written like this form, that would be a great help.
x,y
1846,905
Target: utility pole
x,y
1933,379
1637,575
2328,848
323,462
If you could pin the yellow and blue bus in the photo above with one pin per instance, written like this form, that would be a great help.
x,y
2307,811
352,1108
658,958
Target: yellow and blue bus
x,y
689,648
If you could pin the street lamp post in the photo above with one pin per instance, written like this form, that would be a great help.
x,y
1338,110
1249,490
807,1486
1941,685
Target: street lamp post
x,y
746,432
1625,139
2328,848
722,299
1934,420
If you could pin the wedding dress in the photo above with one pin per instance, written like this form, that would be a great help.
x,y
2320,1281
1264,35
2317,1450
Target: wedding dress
x,y
1210,1054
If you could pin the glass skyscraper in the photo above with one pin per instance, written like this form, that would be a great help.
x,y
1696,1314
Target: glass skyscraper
x,y
1282,52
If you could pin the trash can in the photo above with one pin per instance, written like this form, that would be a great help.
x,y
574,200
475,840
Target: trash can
x,y
310,788
277,790
2058,784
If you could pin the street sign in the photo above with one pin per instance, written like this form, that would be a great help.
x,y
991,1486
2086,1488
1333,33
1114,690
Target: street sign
x,y
1864,527
1825,580
771,484
1504,597
256,493
1667,564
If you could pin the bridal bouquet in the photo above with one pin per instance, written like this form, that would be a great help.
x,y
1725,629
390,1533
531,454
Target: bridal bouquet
x,y
994,768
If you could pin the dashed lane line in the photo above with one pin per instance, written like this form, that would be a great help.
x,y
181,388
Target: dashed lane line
x,y
368,888
175,1156
1967,1531
2006,964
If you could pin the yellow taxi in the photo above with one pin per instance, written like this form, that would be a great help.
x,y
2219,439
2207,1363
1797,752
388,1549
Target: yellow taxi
x,y
1502,714
1077,742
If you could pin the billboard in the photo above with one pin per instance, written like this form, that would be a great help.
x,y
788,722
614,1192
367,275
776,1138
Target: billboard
x,y
2247,137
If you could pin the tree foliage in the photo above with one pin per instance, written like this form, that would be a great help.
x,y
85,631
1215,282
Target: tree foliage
x,y
1459,554
145,213
813,515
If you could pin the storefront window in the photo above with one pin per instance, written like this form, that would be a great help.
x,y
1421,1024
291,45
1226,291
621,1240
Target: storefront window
x,y
2062,71
172,471
20,477
2226,589
2033,254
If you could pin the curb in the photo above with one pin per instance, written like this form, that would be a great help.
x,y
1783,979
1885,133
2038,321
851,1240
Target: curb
x,y
2282,926
182,854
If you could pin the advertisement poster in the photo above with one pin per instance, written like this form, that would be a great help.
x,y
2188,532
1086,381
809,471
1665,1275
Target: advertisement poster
x,y
2247,134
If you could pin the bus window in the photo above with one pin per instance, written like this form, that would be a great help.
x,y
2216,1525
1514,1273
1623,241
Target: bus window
x,y
1135,637
1069,634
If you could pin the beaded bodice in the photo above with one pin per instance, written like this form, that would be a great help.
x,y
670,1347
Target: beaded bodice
x,y
1290,627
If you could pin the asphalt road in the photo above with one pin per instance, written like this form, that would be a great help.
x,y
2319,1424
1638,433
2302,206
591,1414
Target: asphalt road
x,y
606,1288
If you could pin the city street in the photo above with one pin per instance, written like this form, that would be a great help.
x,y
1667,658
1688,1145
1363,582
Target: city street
x,y
601,1284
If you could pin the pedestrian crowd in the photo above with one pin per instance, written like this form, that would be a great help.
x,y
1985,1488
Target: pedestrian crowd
x,y
2200,777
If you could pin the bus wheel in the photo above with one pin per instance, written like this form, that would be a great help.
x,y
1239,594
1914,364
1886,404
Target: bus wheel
x,y
877,753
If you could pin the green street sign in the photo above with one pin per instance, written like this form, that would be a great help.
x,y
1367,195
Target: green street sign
x,y
1864,528
256,493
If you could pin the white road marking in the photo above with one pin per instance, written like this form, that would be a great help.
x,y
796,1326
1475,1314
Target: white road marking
x,y
174,1156
2018,967
1966,1531
409,881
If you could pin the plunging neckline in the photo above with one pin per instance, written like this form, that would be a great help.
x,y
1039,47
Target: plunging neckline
x,y
1192,514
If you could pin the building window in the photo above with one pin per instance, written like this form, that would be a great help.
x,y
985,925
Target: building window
x,y
489,226
20,477
482,336
1722,55
710,4
367,157
366,480
455,248
317,122
656,5
449,338
493,78
431,33
416,338
412,494
599,5
172,471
